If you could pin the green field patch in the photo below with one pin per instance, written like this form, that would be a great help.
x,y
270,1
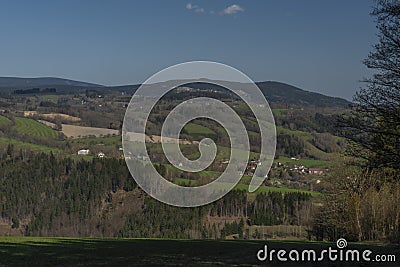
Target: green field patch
x,y
4,141
240,105
50,97
185,182
209,174
282,189
242,186
196,131
278,111
316,152
33,128
107,141
4,120
297,133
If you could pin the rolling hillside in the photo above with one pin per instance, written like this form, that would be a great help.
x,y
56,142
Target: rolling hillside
x,y
41,81
285,93
276,92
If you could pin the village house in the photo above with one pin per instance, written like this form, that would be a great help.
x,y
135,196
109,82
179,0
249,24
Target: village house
x,y
83,152
315,171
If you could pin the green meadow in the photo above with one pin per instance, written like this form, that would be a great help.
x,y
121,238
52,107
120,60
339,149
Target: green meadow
x,y
4,120
33,128
4,141
197,130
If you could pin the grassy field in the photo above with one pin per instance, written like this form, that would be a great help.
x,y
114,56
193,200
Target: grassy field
x,y
282,189
33,128
306,135
50,97
38,251
4,141
197,130
279,111
261,189
4,120
106,141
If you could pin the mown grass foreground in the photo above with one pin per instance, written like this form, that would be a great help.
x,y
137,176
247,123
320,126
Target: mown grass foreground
x,y
38,251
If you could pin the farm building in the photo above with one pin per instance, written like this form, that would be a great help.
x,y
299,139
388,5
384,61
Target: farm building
x,y
101,155
315,171
83,152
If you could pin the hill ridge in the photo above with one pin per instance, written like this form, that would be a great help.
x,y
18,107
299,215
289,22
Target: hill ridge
x,y
41,81
274,91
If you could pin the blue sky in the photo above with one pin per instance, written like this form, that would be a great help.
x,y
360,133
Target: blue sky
x,y
315,45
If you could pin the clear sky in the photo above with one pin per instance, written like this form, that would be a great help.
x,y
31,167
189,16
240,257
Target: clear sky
x,y
315,45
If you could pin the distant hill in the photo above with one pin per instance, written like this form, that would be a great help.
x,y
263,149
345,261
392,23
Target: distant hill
x,y
276,92
17,82
285,93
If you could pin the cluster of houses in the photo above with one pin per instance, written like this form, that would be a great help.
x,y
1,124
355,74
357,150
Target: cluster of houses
x,y
130,156
252,166
87,152
138,157
304,170
299,168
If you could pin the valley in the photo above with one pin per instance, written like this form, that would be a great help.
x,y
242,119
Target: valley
x,y
309,153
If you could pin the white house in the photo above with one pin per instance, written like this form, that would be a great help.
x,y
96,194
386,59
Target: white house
x,y
83,152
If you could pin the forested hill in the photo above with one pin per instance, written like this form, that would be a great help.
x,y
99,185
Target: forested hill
x,y
278,92
275,92
282,92
41,81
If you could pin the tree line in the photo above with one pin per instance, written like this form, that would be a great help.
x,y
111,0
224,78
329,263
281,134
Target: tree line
x,y
46,194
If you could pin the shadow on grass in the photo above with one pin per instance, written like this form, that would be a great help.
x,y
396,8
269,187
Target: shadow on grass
x,y
38,251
